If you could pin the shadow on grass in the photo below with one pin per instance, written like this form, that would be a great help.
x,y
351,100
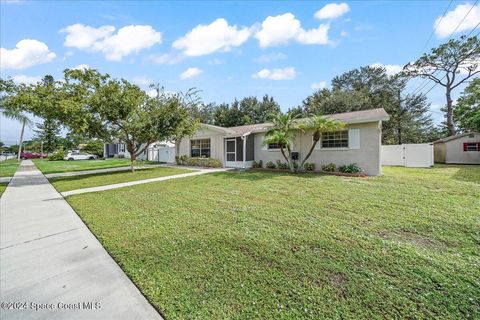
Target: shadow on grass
x,y
256,175
467,173
109,174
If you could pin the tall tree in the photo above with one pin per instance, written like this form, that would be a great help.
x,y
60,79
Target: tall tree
x,y
369,88
467,110
448,65
48,133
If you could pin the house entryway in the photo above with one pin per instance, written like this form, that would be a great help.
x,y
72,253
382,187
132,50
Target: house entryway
x,y
239,152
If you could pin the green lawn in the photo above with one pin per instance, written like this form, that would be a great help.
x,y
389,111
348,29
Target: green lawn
x,y
47,166
92,180
266,245
3,186
8,167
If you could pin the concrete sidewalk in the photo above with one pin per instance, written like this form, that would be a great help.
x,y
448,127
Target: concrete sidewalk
x,y
49,259
134,183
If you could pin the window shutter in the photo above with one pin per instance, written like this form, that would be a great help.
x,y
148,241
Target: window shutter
x,y
264,146
354,138
478,146
465,146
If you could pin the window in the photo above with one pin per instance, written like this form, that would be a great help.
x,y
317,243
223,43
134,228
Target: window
x,y
336,139
471,146
200,148
273,146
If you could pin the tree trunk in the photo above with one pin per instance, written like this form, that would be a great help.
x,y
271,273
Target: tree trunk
x,y
132,150
290,161
285,156
21,140
308,154
132,162
450,126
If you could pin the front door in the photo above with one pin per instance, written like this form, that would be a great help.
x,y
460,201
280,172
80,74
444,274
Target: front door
x,y
230,152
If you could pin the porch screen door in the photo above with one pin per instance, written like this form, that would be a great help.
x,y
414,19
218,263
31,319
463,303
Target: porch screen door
x,y
230,149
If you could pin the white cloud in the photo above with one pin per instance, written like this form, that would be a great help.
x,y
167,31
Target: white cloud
x,y
206,39
276,74
129,39
391,69
344,33
20,78
319,85
281,29
332,11
166,58
81,67
190,73
446,25
267,58
142,81
27,53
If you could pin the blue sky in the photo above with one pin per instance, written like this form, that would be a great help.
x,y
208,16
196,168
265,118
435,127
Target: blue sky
x,y
226,49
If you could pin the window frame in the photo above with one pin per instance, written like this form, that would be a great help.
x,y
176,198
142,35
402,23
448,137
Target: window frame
x,y
201,147
343,138
469,144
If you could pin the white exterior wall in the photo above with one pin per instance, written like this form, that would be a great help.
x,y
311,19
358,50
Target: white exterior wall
x,y
216,144
454,151
366,153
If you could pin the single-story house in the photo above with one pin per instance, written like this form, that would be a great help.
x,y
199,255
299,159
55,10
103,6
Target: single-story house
x,y
359,142
462,148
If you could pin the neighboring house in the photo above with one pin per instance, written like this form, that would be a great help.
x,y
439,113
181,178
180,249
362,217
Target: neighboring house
x,y
359,142
119,150
462,148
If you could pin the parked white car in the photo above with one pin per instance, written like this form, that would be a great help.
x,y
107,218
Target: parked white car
x,y
73,155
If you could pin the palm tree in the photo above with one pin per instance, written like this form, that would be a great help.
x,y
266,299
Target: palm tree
x,y
317,124
283,133
18,116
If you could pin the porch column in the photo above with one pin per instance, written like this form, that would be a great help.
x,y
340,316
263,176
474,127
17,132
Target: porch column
x,y
244,138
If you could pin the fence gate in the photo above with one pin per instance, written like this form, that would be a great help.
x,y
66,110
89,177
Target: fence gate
x,y
166,154
408,155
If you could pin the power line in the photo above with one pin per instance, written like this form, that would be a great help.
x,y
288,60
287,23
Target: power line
x,y
425,82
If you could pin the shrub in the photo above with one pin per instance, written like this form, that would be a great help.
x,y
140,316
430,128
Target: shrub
x,y
351,168
309,166
329,167
281,165
181,160
57,155
270,165
256,164
200,162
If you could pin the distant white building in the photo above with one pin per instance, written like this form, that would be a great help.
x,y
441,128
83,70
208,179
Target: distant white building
x,y
162,151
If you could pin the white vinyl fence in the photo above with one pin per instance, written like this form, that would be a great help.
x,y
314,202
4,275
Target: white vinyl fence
x,y
408,155
165,154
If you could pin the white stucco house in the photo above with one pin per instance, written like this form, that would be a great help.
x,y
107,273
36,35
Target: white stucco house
x,y
460,149
359,142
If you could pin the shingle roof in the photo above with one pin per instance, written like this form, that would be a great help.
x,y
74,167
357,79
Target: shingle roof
x,y
347,118
455,137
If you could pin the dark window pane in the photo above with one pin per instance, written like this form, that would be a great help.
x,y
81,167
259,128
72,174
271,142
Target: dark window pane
x,y
230,156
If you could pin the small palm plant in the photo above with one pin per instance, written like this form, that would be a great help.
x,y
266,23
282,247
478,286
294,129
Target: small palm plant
x,y
317,124
283,133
